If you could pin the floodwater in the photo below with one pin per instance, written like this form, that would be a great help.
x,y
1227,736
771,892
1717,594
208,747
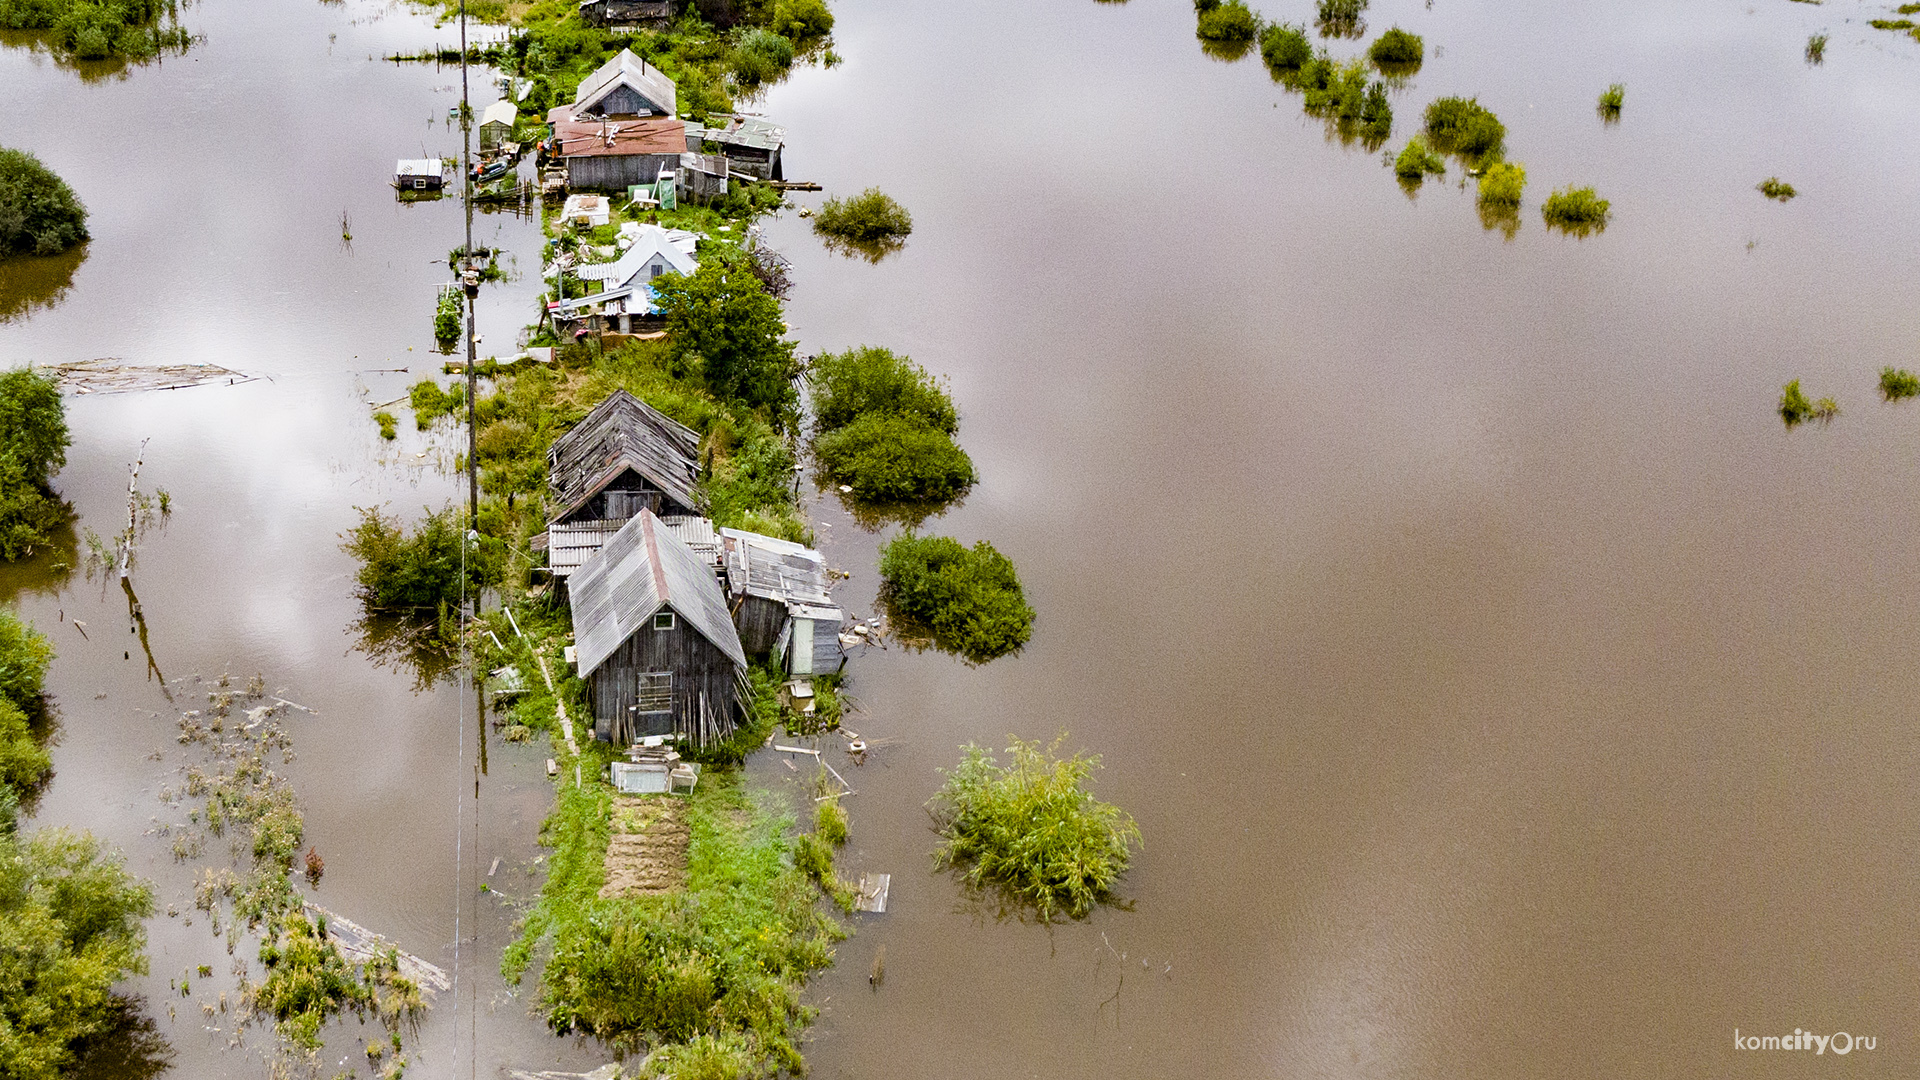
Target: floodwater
x,y
1501,690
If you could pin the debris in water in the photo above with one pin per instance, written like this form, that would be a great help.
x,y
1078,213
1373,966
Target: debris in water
x,y
107,375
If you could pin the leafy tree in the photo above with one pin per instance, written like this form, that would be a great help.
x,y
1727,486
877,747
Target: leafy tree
x,y
70,927
970,600
418,571
722,323
33,446
39,213
889,458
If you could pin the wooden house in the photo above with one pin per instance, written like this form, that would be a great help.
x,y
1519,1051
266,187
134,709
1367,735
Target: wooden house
x,y
625,303
751,145
778,594
626,12
654,641
423,174
622,128
623,458
496,123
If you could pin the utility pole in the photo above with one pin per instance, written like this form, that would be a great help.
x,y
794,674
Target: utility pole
x,y
469,279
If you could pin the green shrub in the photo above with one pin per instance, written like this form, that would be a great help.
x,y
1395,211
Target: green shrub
x,y
430,403
99,29
1285,48
1774,188
1576,210
886,458
969,600
866,218
1613,97
1398,49
417,571
389,424
1416,161
830,822
448,314
801,21
1502,182
761,56
704,1057
845,386
1033,830
33,446
39,213
1462,126
1816,48
1341,18
72,918
1795,409
1897,384
1229,23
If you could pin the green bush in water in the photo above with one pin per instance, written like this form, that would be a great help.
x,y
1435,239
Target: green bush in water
x,y
39,213
869,217
1458,125
1612,98
33,447
888,459
1576,210
969,600
1898,384
1417,160
1285,48
430,403
99,29
1816,48
24,762
868,379
417,571
1033,829
1775,188
761,56
1340,18
1795,409
801,21
1502,182
389,425
1398,50
1229,23
830,822
447,316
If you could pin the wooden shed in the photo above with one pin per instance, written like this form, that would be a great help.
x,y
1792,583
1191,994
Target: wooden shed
x,y
496,123
653,640
752,146
778,593
702,177
622,458
626,12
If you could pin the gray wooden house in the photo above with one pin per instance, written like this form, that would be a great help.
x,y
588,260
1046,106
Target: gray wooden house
x,y
622,458
622,128
654,641
751,145
778,593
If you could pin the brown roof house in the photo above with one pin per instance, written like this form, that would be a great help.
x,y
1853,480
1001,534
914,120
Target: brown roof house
x,y
622,128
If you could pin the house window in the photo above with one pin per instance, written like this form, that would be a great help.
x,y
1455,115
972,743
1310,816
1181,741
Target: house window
x,y
656,692
663,620
657,269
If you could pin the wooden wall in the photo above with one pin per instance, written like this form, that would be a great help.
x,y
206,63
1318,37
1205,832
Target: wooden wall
x,y
698,667
616,172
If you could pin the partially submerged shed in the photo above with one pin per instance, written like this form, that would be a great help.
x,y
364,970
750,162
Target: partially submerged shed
x,y
778,592
654,641
419,174
623,458
751,145
496,123
626,12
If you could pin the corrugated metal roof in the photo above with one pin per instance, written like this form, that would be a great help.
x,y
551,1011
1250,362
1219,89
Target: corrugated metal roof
x,y
621,433
571,544
418,167
617,138
641,570
748,131
652,240
774,569
649,81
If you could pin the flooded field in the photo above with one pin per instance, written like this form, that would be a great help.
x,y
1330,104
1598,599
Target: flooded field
x,y
1501,690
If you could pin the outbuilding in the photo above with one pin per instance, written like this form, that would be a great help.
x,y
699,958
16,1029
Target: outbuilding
x,y
623,458
777,591
419,174
496,123
752,145
653,640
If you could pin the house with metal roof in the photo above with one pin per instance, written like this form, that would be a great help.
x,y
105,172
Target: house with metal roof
x,y
654,641
777,591
626,298
752,145
421,174
624,457
626,12
622,128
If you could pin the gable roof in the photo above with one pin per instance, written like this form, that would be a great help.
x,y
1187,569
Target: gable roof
x,y
652,240
500,112
643,569
632,72
773,569
616,138
621,433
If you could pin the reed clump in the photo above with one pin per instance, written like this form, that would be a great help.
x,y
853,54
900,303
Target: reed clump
x,y
1610,101
1340,18
1576,210
1816,48
1796,408
1898,384
1033,830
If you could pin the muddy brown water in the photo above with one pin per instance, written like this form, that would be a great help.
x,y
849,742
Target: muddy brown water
x,y
1501,691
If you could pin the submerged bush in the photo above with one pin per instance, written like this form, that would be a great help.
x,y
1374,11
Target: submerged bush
x,y
1341,18
448,314
430,403
33,446
1612,98
1502,182
1897,384
869,217
1795,409
39,213
1398,49
1774,188
969,600
1229,23
1816,48
418,571
761,56
1033,830
868,379
886,459
801,21
1285,48
1463,126
1576,210
99,29
1416,160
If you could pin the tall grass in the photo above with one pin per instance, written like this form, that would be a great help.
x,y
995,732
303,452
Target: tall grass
x,y
1340,18
1610,101
1816,48
1032,830
1576,210
1796,409
1898,384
